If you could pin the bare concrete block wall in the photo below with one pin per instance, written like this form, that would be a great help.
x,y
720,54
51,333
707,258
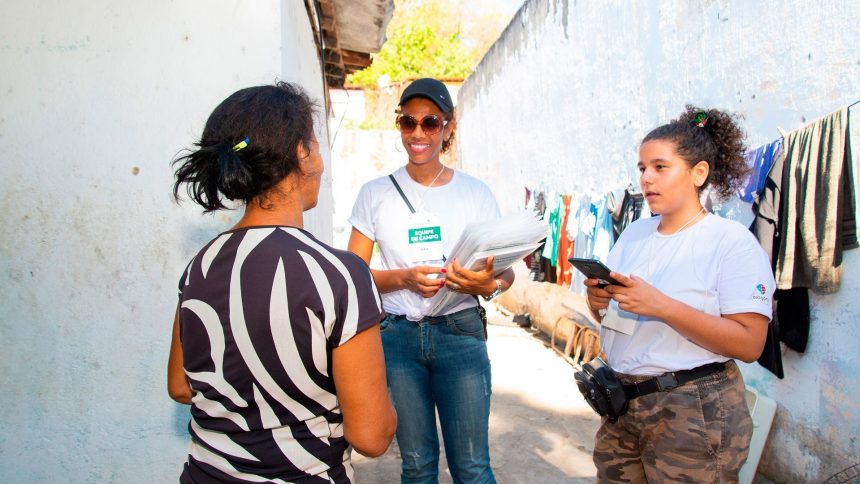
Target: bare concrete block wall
x,y
564,97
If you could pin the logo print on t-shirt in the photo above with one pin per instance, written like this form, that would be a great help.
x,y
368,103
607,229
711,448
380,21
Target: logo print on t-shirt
x,y
761,290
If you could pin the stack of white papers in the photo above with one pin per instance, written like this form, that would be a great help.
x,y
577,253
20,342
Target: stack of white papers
x,y
508,239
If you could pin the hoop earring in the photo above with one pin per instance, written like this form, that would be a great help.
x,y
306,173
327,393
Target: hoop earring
x,y
398,145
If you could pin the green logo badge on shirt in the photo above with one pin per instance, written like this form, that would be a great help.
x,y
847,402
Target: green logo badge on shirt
x,y
425,234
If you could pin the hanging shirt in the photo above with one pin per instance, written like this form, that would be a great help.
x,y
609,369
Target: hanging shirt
x,y
603,232
759,160
564,273
554,208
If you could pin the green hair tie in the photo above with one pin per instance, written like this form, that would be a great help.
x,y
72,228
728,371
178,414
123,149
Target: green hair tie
x,y
700,119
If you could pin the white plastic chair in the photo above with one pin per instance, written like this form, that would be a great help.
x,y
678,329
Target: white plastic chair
x,y
762,410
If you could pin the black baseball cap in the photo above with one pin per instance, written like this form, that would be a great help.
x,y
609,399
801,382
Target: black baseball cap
x,y
431,89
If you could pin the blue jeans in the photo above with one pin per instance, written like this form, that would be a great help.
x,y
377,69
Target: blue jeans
x,y
440,363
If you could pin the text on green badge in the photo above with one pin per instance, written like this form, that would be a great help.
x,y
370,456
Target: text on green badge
x,y
425,234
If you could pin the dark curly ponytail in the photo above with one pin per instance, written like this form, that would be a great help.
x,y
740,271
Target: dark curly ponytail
x,y
714,137
272,121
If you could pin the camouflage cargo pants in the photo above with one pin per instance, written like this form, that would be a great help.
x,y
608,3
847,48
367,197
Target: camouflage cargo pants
x,y
698,432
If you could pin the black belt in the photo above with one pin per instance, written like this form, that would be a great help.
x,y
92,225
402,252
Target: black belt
x,y
670,380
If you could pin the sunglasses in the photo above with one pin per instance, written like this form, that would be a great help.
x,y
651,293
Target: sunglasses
x,y
429,124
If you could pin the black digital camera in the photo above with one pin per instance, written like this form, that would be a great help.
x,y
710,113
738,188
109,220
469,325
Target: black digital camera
x,y
601,388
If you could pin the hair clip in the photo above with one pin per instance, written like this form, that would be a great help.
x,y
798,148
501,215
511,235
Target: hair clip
x,y
700,119
242,145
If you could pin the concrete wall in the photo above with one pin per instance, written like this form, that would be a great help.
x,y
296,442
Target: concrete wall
x,y
96,98
564,97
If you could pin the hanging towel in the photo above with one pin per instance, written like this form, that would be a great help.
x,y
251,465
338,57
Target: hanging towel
x,y
817,216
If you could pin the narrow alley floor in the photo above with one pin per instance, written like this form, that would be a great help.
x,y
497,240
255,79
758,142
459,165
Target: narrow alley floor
x,y
541,429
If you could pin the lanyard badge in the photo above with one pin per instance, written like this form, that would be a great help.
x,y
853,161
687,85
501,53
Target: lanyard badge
x,y
424,237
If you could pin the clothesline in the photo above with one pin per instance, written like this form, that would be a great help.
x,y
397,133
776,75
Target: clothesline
x,y
784,134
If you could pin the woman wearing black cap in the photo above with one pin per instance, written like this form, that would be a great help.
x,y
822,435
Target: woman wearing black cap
x,y
435,361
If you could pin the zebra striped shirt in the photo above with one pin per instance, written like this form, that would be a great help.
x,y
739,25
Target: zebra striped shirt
x,y
261,310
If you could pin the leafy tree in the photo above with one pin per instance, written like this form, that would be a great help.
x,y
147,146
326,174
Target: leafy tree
x,y
423,41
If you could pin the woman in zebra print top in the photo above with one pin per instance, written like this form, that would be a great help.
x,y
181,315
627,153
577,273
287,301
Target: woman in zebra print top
x,y
276,341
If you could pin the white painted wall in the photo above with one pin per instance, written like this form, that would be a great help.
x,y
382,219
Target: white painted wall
x,y
300,64
96,98
567,93
359,156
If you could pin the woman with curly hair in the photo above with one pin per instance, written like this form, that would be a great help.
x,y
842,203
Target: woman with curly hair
x,y
694,293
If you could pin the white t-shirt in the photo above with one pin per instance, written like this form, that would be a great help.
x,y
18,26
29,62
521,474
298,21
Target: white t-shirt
x,y
716,266
443,212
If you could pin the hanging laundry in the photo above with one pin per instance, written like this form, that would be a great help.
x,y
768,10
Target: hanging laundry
x,y
789,324
540,268
771,355
616,201
817,211
584,231
739,206
572,233
548,270
766,207
553,218
603,231
811,173
529,205
587,217
625,211
565,245
540,203
792,311
766,204
759,160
